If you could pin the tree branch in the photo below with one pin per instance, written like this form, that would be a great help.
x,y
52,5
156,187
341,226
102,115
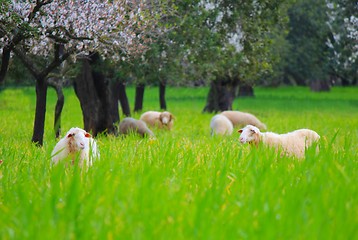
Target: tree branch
x,y
27,62
5,59
68,34
41,75
37,8
57,62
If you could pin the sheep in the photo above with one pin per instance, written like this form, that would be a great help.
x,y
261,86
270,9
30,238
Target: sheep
x,y
242,119
292,143
76,143
158,119
221,125
130,125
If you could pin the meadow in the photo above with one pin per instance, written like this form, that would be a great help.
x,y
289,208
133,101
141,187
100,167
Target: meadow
x,y
185,184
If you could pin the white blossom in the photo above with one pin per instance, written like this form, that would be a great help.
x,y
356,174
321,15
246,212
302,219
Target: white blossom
x,y
94,25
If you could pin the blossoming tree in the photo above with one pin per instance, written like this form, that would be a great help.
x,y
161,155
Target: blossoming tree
x,y
44,33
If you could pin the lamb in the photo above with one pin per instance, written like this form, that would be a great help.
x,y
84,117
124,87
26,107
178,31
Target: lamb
x,y
76,143
242,119
292,143
158,119
130,125
221,125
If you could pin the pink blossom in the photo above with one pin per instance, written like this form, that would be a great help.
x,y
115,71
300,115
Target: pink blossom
x,y
110,27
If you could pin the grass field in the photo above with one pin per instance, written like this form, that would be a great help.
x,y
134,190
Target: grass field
x,y
185,184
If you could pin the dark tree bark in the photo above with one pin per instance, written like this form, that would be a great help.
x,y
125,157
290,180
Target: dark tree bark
x,y
56,83
123,99
40,112
163,104
246,90
6,54
221,95
5,60
95,95
320,86
139,95
115,98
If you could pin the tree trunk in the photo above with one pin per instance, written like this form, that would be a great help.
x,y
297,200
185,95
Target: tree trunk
x,y
5,60
221,94
56,83
115,98
96,100
246,90
163,104
123,99
212,102
40,112
139,95
320,86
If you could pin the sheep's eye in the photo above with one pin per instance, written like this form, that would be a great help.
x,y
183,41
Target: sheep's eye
x,y
253,131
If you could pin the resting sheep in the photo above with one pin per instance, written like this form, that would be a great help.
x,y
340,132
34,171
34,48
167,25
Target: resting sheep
x,y
76,144
242,119
221,125
292,143
130,125
158,119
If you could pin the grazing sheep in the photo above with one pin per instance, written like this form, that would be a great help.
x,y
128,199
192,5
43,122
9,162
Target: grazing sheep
x,y
221,125
292,143
242,119
76,143
158,119
130,125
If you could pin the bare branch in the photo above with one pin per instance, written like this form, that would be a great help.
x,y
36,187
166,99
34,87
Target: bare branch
x,y
68,34
39,5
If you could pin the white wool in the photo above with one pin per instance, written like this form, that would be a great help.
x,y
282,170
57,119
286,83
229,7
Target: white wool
x,y
76,144
242,119
158,119
221,125
293,143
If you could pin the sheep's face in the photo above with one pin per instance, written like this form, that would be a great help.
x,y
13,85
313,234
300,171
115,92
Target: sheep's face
x,y
249,134
78,139
166,117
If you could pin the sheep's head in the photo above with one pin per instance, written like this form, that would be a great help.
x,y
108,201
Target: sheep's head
x,y
77,139
166,117
249,134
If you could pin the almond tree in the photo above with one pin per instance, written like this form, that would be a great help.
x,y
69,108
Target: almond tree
x,y
226,43
343,25
36,31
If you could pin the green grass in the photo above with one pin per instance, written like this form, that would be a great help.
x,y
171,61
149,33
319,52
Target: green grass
x,y
185,184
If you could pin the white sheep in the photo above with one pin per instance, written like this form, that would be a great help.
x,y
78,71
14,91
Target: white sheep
x,y
221,125
158,119
292,143
76,144
130,125
242,119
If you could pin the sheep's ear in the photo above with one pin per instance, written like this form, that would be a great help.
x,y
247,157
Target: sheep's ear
x,y
70,135
87,135
239,131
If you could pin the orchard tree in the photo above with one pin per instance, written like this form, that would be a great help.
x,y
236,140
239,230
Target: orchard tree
x,y
308,59
36,31
342,43
227,44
